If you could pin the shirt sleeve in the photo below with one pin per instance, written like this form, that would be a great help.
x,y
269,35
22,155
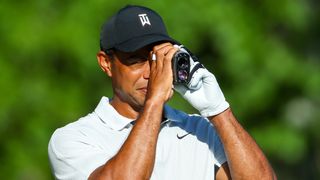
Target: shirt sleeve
x,y
73,155
206,132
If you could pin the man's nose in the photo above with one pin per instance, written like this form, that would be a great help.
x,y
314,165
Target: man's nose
x,y
146,72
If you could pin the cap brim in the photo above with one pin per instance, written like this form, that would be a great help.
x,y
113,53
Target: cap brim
x,y
139,42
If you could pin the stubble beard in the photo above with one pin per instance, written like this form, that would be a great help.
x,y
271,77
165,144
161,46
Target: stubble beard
x,y
137,102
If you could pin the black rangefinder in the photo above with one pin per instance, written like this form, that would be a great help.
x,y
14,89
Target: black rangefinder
x,y
181,67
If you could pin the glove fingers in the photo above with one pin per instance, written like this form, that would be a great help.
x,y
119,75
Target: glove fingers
x,y
197,79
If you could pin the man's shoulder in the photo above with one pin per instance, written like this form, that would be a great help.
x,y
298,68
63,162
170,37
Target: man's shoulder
x,y
81,123
84,123
81,131
77,129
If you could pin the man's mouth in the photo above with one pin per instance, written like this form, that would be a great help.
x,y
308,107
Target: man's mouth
x,y
144,90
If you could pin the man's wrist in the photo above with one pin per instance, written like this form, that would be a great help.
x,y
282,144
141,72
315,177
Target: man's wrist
x,y
215,110
154,101
153,105
221,117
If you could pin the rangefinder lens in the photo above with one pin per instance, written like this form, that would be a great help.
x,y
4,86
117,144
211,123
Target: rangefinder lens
x,y
183,75
183,62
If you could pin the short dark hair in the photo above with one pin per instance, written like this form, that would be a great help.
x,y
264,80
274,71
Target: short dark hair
x,y
110,52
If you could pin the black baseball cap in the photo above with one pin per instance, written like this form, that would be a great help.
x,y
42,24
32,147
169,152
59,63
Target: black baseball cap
x,y
132,28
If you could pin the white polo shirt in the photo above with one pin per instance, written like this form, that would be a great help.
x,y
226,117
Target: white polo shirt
x,y
188,146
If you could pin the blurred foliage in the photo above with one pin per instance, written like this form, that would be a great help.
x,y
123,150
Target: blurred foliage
x,y
265,54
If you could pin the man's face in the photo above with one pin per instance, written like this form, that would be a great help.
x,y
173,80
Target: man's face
x,y
130,75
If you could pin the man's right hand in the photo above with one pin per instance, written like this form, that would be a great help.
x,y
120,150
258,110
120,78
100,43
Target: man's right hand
x,y
161,77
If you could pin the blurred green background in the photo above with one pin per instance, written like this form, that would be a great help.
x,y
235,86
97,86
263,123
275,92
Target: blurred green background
x,y
265,55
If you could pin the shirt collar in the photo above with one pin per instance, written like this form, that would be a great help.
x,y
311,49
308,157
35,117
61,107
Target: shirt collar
x,y
114,120
110,116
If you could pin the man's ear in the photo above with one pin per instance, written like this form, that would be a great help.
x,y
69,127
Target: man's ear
x,y
105,62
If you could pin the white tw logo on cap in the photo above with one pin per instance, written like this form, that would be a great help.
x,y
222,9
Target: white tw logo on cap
x,y
144,19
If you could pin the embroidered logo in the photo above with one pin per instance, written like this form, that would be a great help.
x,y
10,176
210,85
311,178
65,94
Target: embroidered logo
x,y
144,19
180,137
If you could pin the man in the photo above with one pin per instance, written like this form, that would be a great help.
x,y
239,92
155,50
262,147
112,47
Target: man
x,y
135,135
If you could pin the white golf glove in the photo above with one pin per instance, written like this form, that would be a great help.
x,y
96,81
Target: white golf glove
x,y
203,93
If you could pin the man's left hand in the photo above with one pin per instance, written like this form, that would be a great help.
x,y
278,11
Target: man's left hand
x,y
208,99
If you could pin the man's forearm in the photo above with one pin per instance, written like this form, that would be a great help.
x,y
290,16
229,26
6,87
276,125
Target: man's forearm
x,y
135,159
245,159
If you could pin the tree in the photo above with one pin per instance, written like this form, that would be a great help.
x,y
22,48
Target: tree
x,y
265,55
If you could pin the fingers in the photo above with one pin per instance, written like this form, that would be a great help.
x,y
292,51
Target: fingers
x,y
152,60
171,94
160,46
163,54
157,54
160,52
196,79
167,62
161,77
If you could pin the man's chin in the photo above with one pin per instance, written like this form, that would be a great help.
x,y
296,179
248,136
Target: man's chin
x,y
139,103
